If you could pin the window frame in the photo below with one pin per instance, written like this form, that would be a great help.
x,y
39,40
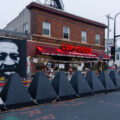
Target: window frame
x,y
83,36
96,40
49,28
24,28
66,33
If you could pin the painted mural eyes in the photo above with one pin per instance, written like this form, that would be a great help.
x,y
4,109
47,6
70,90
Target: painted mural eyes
x,y
13,56
3,56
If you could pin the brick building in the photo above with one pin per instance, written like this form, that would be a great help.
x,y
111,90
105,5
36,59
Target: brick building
x,y
51,28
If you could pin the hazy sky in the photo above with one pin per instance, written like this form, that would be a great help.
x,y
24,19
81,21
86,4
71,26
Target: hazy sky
x,y
91,9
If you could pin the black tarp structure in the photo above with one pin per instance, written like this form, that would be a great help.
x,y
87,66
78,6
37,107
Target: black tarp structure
x,y
94,82
80,84
14,94
115,78
41,89
106,81
63,87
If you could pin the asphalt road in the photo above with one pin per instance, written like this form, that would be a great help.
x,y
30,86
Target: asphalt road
x,y
98,107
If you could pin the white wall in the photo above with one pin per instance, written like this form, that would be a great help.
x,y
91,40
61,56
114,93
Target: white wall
x,y
18,23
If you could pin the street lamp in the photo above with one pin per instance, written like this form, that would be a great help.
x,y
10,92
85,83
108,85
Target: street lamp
x,y
115,32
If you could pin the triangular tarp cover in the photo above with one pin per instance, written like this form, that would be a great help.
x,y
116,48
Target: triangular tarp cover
x,y
106,81
62,85
94,82
41,88
80,84
115,78
15,94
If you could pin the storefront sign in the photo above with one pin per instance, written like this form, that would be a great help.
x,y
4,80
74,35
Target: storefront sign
x,y
76,48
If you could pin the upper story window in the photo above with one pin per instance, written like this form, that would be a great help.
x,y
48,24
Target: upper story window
x,y
46,28
84,36
97,39
25,28
66,32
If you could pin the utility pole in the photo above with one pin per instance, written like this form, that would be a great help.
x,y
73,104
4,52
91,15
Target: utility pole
x,y
115,36
108,28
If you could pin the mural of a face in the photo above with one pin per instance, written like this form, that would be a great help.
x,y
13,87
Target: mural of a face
x,y
9,58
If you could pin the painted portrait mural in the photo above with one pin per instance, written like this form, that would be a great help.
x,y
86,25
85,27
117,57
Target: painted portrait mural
x,y
12,57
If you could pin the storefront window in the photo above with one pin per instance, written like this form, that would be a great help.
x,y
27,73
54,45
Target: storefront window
x,y
66,32
46,28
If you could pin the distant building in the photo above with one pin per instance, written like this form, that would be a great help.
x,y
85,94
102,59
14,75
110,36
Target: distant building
x,y
117,57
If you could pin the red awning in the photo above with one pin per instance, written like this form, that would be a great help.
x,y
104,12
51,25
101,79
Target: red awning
x,y
59,52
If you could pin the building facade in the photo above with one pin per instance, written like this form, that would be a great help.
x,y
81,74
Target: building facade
x,y
50,28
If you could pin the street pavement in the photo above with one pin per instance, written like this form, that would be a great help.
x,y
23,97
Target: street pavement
x,y
98,107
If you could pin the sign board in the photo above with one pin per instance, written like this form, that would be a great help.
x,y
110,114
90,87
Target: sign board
x,y
109,42
80,49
